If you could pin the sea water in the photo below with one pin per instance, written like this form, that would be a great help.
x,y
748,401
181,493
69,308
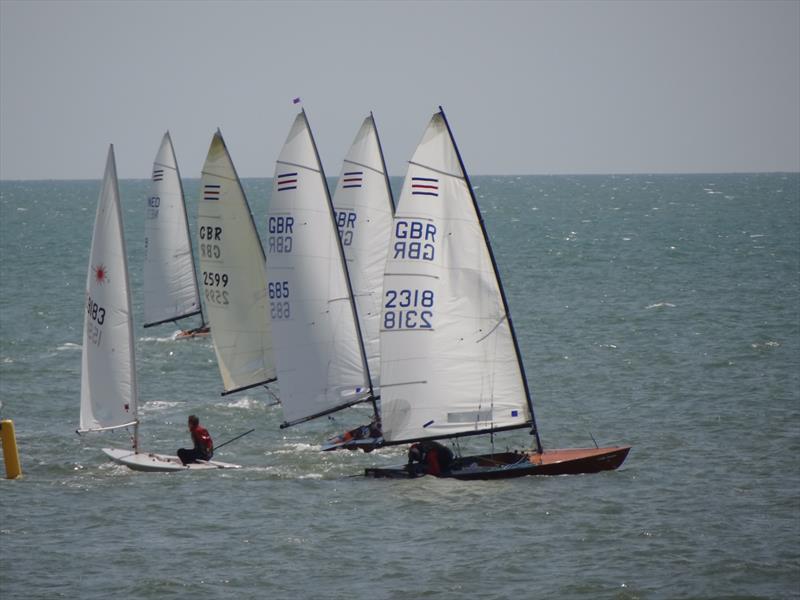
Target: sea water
x,y
660,311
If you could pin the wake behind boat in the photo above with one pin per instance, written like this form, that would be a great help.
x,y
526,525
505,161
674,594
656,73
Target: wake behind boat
x,y
450,362
109,390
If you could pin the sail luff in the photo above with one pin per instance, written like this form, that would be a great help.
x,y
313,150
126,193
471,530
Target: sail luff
x,y
389,193
170,277
109,391
448,364
364,209
497,277
342,262
234,275
188,238
320,365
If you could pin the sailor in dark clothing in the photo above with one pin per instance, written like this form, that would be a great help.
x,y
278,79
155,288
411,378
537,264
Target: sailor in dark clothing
x,y
203,445
429,458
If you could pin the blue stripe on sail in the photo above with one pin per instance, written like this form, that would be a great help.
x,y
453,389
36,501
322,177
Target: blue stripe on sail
x,y
419,185
211,191
286,181
352,179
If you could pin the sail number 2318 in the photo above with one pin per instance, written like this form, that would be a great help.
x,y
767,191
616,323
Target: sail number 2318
x,y
408,309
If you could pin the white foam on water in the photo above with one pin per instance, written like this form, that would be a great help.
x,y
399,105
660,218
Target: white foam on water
x,y
660,305
69,346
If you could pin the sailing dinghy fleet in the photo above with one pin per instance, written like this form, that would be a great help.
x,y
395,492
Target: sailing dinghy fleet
x,y
353,302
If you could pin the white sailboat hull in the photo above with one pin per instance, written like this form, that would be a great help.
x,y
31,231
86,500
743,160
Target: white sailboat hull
x,y
146,461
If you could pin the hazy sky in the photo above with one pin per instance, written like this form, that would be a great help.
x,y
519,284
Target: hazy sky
x,y
529,87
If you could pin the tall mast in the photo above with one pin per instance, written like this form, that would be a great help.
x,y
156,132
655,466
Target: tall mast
x,y
343,263
131,343
188,234
383,162
535,430
260,246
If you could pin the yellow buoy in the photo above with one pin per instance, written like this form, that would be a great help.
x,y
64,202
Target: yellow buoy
x,y
10,453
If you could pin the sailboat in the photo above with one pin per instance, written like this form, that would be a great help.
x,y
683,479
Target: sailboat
x,y
109,391
364,209
170,279
322,366
450,361
232,265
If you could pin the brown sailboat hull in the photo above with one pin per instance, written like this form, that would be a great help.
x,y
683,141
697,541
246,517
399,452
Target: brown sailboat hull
x,y
507,465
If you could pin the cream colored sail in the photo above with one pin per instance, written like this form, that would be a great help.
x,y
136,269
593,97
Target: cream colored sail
x,y
233,275
170,282
363,209
449,364
108,370
321,364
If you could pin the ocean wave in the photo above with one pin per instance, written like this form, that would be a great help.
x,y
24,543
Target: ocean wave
x,y
660,305
158,405
769,344
69,346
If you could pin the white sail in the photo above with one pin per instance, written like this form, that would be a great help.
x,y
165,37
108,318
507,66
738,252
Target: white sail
x,y
449,364
108,370
170,282
363,210
233,275
321,364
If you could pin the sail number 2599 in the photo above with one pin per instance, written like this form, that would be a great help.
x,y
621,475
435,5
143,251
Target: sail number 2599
x,y
408,309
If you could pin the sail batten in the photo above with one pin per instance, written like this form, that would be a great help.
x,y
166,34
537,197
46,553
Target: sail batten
x,y
321,367
232,261
109,395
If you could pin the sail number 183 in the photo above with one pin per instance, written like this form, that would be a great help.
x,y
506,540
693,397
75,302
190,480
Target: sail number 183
x,y
408,309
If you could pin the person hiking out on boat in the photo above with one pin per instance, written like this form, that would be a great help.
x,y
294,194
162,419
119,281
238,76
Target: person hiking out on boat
x,y
429,458
203,444
364,432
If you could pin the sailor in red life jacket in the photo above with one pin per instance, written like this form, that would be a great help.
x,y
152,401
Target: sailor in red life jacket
x,y
203,445
429,458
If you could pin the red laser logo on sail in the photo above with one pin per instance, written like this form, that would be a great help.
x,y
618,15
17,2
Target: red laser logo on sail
x,y
100,274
